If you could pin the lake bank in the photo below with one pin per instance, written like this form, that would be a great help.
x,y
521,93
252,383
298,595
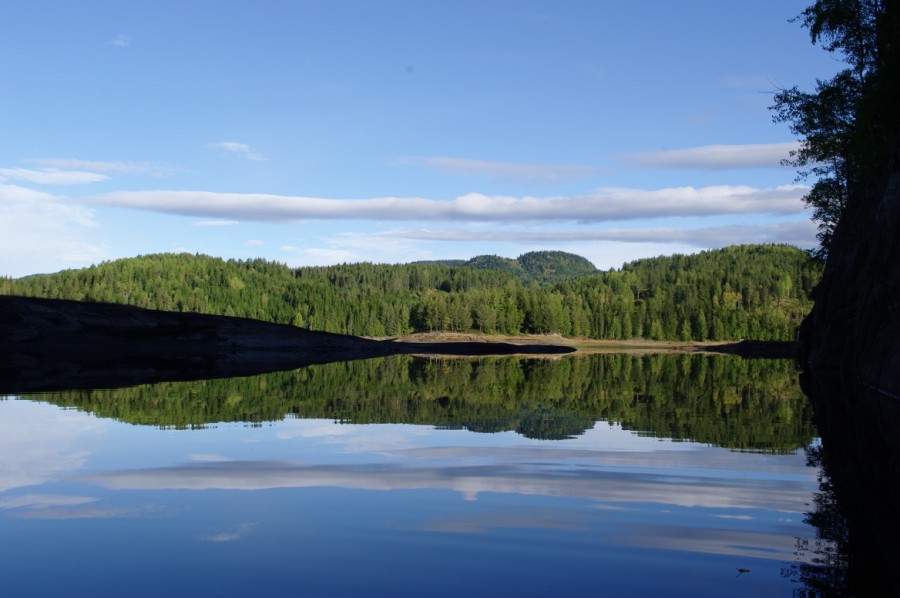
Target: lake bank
x,y
587,346
52,344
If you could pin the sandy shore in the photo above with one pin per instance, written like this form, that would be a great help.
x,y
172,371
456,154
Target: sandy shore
x,y
586,346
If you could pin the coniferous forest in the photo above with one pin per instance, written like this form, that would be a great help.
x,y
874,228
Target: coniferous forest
x,y
759,292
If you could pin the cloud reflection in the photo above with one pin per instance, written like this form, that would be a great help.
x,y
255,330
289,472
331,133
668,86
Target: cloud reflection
x,y
520,518
233,533
42,501
623,489
617,478
88,513
41,443
743,543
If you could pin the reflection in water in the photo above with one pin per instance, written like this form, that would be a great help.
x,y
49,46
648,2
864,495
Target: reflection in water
x,y
491,470
855,511
824,567
637,480
742,404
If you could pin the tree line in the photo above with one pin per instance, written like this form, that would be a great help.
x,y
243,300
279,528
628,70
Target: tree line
x,y
759,292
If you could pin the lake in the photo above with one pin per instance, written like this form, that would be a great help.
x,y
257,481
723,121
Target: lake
x,y
673,475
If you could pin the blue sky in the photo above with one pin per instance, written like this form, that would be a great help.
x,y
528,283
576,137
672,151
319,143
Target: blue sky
x,y
320,132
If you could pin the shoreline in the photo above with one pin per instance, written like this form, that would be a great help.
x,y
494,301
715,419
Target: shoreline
x,y
587,346
55,344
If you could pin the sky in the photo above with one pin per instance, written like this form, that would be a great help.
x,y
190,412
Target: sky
x,y
321,132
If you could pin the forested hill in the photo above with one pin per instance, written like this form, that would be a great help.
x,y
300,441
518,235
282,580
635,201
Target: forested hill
x,y
756,292
543,267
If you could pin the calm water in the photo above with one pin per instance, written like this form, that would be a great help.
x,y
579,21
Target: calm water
x,y
609,475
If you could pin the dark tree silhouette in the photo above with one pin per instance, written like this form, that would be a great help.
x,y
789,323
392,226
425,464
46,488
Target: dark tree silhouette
x,y
844,125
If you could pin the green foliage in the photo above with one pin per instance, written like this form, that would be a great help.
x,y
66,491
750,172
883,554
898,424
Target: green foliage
x,y
541,267
758,292
495,262
847,124
725,401
825,120
554,266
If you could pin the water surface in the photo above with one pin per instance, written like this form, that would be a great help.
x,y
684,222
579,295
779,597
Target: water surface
x,y
674,475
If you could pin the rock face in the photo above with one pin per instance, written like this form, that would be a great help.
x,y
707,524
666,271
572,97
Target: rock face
x,y
854,326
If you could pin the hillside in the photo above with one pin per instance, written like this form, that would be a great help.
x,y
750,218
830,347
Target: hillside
x,y
542,267
757,292
554,266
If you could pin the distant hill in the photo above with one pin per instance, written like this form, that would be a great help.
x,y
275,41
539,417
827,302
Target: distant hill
x,y
543,267
495,262
554,266
758,292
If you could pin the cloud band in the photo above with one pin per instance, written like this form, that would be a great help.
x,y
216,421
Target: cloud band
x,y
610,204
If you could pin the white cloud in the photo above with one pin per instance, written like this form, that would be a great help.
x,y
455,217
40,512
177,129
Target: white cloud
x,y
605,247
372,245
800,233
105,166
121,41
351,247
717,157
51,176
208,457
241,150
610,204
528,173
41,231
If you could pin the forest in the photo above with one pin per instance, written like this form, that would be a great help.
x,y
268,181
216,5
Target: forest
x,y
759,292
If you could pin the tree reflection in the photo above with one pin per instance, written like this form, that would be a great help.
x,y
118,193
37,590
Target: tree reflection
x,y
821,564
752,405
855,511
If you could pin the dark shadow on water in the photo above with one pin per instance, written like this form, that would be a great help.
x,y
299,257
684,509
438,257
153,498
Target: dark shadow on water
x,y
821,564
856,510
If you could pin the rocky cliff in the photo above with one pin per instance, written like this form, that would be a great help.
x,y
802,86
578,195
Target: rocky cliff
x,y
854,326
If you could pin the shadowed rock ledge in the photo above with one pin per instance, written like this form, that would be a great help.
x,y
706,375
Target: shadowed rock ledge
x,y
52,344
854,326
